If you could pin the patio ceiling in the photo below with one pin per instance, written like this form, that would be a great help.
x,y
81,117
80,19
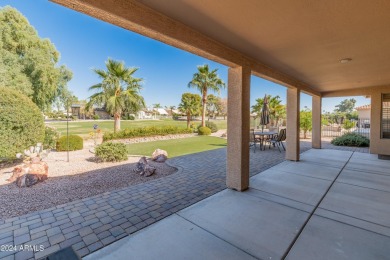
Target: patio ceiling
x,y
304,39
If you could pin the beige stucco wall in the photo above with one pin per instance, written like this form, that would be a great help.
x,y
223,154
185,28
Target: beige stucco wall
x,y
364,114
377,144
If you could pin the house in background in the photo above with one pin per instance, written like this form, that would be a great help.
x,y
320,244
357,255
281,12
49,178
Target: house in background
x,y
364,112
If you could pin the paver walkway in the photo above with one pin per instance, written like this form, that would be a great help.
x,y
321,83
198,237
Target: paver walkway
x,y
92,223
330,205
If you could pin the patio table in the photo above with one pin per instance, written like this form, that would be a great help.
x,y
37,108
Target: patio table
x,y
265,136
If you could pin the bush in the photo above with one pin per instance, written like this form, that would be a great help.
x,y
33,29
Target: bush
x,y
351,139
128,117
204,130
51,138
144,132
21,123
213,127
75,143
111,152
95,117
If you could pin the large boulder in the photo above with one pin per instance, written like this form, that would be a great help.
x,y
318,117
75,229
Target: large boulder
x,y
143,168
30,174
159,155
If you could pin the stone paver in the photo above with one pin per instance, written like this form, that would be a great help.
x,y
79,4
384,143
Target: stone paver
x,y
91,223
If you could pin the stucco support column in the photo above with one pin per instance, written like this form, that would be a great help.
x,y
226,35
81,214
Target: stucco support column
x,y
237,176
293,107
316,122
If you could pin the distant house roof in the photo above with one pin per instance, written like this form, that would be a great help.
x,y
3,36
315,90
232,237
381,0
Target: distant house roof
x,y
161,111
368,107
75,105
365,107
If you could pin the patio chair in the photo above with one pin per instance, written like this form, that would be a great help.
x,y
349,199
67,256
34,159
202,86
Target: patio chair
x,y
254,139
278,140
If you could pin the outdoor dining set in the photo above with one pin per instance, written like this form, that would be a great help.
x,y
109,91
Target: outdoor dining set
x,y
262,137
270,138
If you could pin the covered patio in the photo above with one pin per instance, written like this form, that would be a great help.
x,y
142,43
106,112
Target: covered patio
x,y
331,205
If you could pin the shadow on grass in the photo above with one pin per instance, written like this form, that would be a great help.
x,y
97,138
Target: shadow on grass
x,y
221,145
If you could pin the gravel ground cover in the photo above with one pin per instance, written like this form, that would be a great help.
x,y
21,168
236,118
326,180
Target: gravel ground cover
x,y
82,177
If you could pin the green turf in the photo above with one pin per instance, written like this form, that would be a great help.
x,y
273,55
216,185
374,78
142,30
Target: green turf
x,y
84,128
178,147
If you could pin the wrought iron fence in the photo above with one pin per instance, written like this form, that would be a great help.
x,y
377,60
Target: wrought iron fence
x,y
360,126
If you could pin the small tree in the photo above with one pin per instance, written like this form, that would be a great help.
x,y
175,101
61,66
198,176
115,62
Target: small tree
x,y
190,105
305,121
348,125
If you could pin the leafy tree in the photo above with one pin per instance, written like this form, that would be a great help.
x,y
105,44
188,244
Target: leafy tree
x,y
305,121
213,106
348,124
205,80
27,62
117,91
223,106
277,111
346,106
190,105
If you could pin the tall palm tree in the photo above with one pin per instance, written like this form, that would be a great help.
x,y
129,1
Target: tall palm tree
x,y
118,91
205,80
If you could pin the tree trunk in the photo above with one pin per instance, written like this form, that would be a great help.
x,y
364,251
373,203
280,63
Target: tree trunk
x,y
188,120
117,122
204,100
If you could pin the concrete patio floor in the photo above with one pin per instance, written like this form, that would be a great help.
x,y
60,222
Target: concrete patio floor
x,y
330,205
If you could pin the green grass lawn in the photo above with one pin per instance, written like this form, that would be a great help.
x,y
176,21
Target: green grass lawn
x,y
84,128
178,147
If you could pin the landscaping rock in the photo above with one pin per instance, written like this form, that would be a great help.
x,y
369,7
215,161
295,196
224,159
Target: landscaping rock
x,y
159,155
30,174
143,168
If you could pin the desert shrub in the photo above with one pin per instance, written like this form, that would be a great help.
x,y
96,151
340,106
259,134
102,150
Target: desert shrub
x,y
204,130
213,127
144,132
111,152
21,123
95,117
51,138
75,143
351,139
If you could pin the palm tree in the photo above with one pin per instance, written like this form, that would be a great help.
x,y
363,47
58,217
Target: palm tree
x,y
205,80
190,104
118,91
276,109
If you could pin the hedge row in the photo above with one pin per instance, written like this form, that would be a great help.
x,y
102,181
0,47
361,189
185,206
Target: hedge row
x,y
145,132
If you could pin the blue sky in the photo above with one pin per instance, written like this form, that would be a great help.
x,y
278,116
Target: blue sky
x,y
86,43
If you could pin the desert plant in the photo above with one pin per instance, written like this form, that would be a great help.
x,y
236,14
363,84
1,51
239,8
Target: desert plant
x,y
351,139
21,123
213,127
51,137
75,143
111,152
204,130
